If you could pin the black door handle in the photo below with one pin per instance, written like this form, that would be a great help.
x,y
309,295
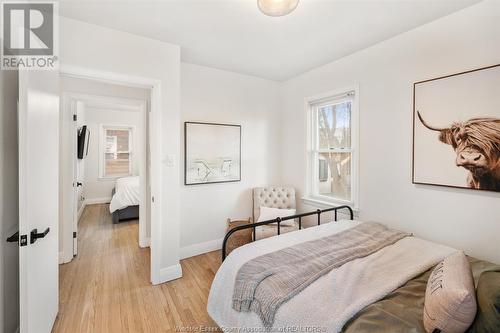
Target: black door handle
x,y
35,235
78,184
13,238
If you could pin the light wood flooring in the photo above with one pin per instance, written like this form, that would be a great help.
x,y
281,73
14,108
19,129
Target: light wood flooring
x,y
106,287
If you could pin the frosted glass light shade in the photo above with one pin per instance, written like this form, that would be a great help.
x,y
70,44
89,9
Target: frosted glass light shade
x,y
277,7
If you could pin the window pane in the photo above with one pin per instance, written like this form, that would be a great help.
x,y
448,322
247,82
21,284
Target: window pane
x,y
334,126
111,144
117,152
117,164
117,140
323,170
335,175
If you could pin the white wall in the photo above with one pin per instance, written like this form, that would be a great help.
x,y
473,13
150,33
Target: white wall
x,y
211,95
468,39
105,50
98,88
96,188
9,209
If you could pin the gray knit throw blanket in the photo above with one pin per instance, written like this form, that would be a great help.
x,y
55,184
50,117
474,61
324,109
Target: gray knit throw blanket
x,y
264,283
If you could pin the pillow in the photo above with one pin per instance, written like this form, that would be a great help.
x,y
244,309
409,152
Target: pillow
x,y
267,213
488,301
450,297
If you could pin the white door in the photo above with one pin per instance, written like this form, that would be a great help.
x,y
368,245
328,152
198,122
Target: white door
x,y
78,168
38,199
77,184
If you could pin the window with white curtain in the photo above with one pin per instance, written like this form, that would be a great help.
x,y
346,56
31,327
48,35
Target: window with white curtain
x,y
333,148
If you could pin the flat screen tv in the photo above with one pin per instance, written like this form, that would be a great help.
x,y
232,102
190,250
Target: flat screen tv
x,y
83,142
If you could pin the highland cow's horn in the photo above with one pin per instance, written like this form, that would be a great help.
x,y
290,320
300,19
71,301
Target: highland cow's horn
x,y
427,125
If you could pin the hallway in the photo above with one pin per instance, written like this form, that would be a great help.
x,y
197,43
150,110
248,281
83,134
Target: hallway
x,y
106,287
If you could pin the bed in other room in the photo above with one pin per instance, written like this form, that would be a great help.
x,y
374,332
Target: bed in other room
x,y
125,199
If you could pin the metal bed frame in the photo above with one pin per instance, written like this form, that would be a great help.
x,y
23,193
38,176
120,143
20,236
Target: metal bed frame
x,y
278,221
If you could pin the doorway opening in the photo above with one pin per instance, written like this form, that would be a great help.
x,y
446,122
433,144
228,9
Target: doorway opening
x,y
105,159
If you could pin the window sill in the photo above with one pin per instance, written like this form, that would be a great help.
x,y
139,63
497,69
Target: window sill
x,y
108,179
319,203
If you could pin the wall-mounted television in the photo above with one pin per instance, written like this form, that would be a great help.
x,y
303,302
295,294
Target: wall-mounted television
x,y
83,142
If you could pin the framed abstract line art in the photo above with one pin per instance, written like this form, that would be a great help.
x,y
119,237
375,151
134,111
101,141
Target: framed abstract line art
x,y
456,130
212,153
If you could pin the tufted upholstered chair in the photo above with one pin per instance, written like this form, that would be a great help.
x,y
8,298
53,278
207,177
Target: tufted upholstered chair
x,y
274,197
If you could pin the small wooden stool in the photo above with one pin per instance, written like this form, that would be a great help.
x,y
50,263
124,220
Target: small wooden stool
x,y
239,238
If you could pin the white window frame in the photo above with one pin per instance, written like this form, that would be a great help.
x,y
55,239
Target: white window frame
x,y
102,144
312,104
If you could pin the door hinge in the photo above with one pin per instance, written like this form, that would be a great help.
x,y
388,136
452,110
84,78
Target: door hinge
x,y
74,234
75,117
23,240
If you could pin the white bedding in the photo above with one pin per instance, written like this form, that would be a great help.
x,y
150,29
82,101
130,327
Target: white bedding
x,y
329,302
126,193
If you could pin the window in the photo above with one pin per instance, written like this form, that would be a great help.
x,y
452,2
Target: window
x,y
116,152
323,170
332,152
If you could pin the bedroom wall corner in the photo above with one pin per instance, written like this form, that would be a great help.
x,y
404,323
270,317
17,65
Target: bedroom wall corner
x,y
213,95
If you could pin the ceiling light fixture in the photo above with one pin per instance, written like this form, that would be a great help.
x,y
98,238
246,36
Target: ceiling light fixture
x,y
277,7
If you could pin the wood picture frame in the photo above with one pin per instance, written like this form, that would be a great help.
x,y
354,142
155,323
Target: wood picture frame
x,y
456,130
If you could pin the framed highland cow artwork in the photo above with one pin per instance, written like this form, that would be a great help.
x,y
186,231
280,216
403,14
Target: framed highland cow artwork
x,y
456,130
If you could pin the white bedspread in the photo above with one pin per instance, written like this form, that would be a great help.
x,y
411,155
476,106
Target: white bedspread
x,y
126,193
329,302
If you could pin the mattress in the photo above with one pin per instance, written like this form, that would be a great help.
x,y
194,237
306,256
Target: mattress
x,y
126,193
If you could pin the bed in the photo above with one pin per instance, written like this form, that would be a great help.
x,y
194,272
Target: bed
x,y
355,297
125,199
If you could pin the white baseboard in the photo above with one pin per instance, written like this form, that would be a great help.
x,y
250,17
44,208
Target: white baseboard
x,y
147,243
200,248
170,273
95,201
82,208
63,259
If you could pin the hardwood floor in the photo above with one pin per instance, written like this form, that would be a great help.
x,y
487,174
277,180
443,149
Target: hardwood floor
x,y
106,287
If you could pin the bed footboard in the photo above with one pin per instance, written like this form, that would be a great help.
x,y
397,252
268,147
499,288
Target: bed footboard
x,y
129,213
278,221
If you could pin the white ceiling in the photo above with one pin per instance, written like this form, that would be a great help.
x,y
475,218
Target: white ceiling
x,y
234,35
